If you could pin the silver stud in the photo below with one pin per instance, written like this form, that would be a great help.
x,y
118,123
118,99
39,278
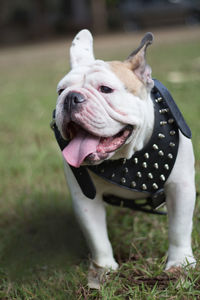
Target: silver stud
x,y
150,175
162,177
146,155
123,180
133,184
139,174
172,144
172,132
124,161
171,121
125,170
170,155
155,147
166,166
164,110
162,123
135,160
144,164
161,136
161,153
155,186
113,175
144,187
156,166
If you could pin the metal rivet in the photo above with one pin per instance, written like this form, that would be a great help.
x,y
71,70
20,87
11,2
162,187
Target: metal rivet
x,y
170,121
135,160
155,147
139,174
144,164
133,184
125,170
172,144
162,177
161,136
161,153
155,186
162,123
170,155
144,187
146,155
156,166
113,175
172,132
150,175
166,166
123,180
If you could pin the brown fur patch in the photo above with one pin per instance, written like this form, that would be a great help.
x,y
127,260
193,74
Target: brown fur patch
x,y
124,72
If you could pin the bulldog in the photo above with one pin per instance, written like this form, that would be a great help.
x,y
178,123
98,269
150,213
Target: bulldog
x,y
106,112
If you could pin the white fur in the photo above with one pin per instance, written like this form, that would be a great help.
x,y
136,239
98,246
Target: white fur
x,y
110,115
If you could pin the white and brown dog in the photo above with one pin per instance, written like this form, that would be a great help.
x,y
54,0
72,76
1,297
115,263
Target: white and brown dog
x,y
105,111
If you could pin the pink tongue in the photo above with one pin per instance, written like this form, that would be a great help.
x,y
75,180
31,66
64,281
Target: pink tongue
x,y
80,146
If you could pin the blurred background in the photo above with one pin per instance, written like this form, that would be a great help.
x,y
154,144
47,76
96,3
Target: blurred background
x,y
28,20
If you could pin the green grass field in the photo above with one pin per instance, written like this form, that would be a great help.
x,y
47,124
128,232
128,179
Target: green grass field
x,y
42,252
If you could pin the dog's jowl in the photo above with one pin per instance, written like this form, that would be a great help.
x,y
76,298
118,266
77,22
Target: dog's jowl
x,y
123,138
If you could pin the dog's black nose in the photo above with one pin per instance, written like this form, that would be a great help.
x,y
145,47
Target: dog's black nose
x,y
72,99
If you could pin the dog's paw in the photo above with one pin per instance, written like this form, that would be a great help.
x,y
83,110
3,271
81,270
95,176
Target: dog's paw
x,y
187,261
98,275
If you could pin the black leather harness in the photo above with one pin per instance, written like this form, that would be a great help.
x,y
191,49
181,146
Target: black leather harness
x,y
148,169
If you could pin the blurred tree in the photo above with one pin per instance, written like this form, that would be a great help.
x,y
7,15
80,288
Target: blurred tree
x,y
99,15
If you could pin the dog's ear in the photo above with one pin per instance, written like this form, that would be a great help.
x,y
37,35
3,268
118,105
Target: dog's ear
x,y
137,62
81,51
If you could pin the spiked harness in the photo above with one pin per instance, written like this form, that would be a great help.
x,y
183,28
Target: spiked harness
x,y
148,169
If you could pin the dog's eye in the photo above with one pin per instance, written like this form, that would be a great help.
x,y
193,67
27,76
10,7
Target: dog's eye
x,y
105,89
60,91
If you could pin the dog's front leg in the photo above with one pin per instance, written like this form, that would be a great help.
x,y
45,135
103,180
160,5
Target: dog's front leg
x,y
91,216
180,200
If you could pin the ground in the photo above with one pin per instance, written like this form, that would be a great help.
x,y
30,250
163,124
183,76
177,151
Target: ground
x,y
42,252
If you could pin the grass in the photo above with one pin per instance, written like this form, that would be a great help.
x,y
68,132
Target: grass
x,y
42,252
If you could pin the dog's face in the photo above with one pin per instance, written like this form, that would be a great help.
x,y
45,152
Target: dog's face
x,y
102,106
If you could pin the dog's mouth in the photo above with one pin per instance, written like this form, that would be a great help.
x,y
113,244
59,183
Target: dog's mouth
x,y
84,146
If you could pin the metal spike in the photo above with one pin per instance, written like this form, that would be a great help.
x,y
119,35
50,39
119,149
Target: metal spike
x,y
163,110
123,180
161,136
171,121
144,164
144,187
146,155
172,132
162,177
159,99
172,144
124,161
156,166
113,175
155,186
135,160
139,174
125,170
170,155
155,147
150,175
166,166
133,184
161,153
162,123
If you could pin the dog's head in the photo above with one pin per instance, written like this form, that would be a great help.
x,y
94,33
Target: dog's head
x,y
104,108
